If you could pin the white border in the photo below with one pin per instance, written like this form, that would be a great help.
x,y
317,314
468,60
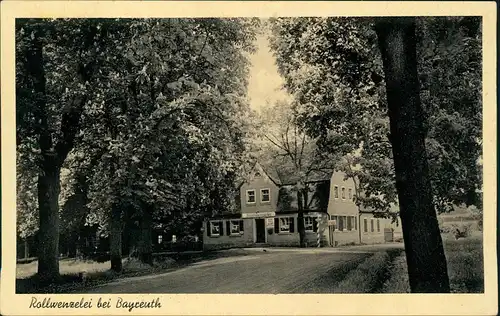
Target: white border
x,y
205,304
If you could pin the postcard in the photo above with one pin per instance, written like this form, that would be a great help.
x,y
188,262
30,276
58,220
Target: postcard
x,y
248,158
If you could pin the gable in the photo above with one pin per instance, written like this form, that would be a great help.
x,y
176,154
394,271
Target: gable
x,y
258,173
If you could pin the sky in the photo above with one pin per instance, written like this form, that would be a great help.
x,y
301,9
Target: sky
x,y
264,82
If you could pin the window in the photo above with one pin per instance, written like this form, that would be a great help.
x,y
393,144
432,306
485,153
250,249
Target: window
x,y
365,222
355,223
333,217
350,193
343,193
160,239
371,225
336,192
215,229
309,223
349,222
236,227
284,225
264,195
378,225
341,223
250,196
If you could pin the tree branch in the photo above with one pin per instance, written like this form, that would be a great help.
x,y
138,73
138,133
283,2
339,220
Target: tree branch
x,y
277,145
70,121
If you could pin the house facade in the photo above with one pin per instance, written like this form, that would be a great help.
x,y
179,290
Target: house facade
x,y
269,216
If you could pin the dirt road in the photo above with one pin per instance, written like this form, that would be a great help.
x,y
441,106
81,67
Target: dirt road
x,y
259,272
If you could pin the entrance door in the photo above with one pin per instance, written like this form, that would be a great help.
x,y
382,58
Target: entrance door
x,y
388,235
260,228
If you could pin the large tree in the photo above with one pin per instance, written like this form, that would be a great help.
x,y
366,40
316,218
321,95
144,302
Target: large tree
x,y
291,154
149,112
334,69
423,245
55,67
184,87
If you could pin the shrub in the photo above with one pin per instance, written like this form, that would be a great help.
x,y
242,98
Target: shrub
x,y
461,231
457,229
132,264
164,263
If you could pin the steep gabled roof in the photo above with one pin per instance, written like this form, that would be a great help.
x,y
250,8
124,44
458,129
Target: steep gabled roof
x,y
315,176
255,171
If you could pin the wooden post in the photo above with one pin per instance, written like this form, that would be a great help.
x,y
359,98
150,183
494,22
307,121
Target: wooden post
x,y
318,219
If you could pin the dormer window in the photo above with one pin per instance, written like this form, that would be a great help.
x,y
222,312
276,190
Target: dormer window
x,y
343,193
350,193
265,195
336,192
250,196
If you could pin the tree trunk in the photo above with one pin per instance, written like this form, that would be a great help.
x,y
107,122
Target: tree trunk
x,y
48,203
145,248
73,244
423,244
126,237
26,250
300,219
115,239
48,179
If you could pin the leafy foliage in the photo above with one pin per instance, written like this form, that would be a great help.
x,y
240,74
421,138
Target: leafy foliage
x,y
163,125
333,69
185,93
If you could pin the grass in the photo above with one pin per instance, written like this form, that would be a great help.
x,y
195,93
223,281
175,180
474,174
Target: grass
x,y
66,266
369,276
76,274
397,282
465,267
465,264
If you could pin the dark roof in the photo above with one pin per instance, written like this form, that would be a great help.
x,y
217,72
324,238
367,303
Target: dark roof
x,y
317,198
317,176
226,216
282,177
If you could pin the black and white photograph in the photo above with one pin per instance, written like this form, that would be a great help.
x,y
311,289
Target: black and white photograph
x,y
249,155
